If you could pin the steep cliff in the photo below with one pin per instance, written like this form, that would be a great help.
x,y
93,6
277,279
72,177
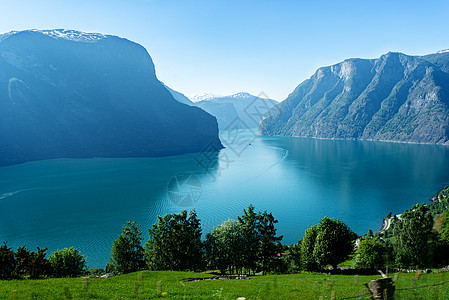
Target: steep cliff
x,y
71,94
394,98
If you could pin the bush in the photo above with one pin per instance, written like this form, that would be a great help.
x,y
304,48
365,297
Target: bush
x,y
67,262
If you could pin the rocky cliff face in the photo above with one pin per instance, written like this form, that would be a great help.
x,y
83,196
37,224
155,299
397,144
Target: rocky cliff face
x,y
394,98
70,94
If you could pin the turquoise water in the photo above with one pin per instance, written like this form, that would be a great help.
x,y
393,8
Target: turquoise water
x,y
84,202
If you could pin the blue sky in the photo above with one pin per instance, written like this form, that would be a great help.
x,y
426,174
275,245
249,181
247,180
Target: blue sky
x,y
231,46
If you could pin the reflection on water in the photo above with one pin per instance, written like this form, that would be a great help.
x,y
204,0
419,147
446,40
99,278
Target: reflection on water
x,y
85,202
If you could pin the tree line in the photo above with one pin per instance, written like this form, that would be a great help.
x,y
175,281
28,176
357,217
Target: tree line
x,y
419,238
67,262
247,245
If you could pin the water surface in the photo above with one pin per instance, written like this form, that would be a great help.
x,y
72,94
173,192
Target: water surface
x,y
84,202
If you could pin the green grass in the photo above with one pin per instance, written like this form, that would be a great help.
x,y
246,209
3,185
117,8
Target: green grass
x,y
150,285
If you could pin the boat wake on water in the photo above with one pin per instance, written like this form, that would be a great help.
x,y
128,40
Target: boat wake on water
x,y
10,194
283,156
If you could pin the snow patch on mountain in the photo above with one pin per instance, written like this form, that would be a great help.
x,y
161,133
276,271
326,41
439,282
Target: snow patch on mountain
x,y
73,35
203,97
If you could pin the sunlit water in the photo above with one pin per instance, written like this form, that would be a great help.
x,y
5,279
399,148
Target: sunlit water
x,y
84,202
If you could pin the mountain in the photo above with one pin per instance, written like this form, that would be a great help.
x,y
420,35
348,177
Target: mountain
x,y
204,97
396,97
65,93
181,98
241,110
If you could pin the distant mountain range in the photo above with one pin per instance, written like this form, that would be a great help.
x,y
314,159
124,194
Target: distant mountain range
x,y
241,110
65,93
396,97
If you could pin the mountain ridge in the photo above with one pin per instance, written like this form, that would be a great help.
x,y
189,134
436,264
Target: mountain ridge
x,y
70,94
393,98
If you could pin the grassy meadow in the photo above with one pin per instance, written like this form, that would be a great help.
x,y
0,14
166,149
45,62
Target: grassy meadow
x,y
170,285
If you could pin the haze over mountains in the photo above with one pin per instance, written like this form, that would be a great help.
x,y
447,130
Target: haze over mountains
x,y
396,97
65,93
241,110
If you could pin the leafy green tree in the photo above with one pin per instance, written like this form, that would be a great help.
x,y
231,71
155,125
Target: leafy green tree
x,y
328,243
261,243
67,262
269,243
175,243
248,221
295,256
7,262
249,244
307,258
127,254
371,254
444,231
225,247
412,235
334,242
441,242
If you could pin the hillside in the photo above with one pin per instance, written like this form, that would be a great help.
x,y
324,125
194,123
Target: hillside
x,y
66,94
393,98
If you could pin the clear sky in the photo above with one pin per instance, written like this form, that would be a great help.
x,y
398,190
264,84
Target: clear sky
x,y
230,46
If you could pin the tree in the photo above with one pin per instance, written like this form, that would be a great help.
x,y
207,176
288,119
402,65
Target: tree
x,y
261,243
225,247
269,243
249,244
248,221
371,254
7,262
334,242
328,243
23,261
67,262
444,231
441,253
127,254
33,264
295,255
411,238
175,243
40,265
308,260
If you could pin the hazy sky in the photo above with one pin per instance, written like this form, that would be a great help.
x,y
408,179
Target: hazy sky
x,y
230,46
